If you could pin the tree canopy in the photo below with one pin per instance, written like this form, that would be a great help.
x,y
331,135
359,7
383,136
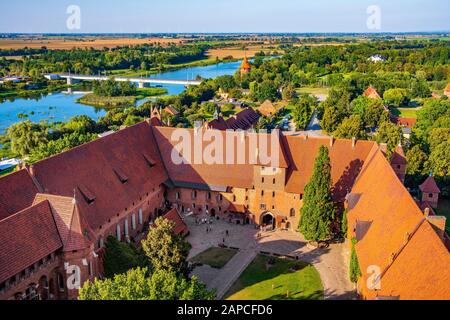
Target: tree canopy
x,y
138,284
165,249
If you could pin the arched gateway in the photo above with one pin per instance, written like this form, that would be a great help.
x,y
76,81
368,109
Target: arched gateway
x,y
268,220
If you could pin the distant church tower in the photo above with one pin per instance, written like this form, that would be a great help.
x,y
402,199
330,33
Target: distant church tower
x,y
246,67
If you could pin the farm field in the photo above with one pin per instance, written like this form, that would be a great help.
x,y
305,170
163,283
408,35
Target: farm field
x,y
59,43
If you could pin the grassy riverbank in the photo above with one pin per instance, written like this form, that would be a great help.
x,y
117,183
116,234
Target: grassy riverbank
x,y
92,99
23,93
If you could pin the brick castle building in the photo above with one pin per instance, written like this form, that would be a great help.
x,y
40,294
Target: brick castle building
x,y
56,214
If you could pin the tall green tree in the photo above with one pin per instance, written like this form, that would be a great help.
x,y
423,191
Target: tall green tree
x,y
396,97
137,284
26,136
351,127
166,250
390,134
120,257
318,211
355,270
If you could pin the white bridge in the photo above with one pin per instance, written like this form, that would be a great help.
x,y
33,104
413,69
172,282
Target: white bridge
x,y
140,81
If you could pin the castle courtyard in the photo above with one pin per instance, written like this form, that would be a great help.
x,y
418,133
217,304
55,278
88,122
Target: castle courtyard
x,y
331,263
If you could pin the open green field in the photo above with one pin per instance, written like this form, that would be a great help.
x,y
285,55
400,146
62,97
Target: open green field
x,y
311,90
260,281
108,102
92,99
215,257
405,112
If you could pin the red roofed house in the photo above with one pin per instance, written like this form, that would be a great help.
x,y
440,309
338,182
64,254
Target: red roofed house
x,y
267,109
405,122
243,120
371,93
56,214
171,110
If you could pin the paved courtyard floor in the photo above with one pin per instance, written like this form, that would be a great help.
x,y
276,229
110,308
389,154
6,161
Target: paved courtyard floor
x,y
331,263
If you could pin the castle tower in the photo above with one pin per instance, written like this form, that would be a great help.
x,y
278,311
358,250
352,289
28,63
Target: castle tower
x,y
430,192
246,67
399,163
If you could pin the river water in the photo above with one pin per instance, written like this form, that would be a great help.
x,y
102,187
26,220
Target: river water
x,y
60,107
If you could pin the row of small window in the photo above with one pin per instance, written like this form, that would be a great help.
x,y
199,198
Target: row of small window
x,y
125,227
194,195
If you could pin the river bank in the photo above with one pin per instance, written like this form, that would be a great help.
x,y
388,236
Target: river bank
x,y
91,99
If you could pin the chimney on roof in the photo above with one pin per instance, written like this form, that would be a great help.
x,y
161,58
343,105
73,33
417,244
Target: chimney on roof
x,y
353,142
306,137
331,141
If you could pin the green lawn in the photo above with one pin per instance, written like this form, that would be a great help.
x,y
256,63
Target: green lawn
x,y
215,257
311,90
405,112
261,282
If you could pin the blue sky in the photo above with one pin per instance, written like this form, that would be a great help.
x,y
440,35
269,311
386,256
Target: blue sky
x,y
152,16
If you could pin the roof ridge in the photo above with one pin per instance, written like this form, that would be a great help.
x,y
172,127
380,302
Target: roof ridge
x,y
366,163
25,209
402,248
52,196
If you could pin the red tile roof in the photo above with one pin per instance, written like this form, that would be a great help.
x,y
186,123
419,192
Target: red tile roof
x,y
405,122
236,175
394,235
429,186
25,238
99,167
17,191
73,230
218,124
267,108
181,227
171,110
371,93
243,120
346,162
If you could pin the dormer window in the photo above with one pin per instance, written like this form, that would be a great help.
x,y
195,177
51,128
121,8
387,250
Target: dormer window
x,y
151,163
87,194
122,177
